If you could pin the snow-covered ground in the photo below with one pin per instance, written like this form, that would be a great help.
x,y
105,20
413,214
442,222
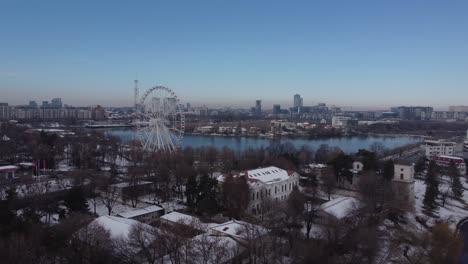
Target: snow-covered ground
x,y
40,187
118,208
453,210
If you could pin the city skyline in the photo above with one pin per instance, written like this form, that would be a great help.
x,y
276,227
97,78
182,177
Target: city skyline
x,y
362,55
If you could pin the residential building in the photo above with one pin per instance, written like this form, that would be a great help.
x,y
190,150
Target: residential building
x,y
435,148
5,111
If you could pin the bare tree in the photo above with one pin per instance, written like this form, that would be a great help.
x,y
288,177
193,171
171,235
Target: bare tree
x,y
109,196
328,181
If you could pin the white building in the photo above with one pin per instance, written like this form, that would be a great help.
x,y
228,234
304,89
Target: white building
x,y
358,166
268,184
206,129
403,182
435,148
340,121
224,130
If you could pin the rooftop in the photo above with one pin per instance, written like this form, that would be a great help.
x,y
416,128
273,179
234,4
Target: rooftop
x,y
177,217
340,207
404,162
450,157
268,175
239,229
9,168
117,226
142,211
126,184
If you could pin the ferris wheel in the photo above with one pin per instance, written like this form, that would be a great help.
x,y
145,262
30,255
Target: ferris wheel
x,y
161,121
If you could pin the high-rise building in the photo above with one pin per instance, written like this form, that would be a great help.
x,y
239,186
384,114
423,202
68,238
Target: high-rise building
x,y
258,107
56,103
33,104
45,104
276,109
298,101
5,111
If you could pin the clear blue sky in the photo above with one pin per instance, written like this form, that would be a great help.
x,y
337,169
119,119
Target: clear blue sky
x,y
350,53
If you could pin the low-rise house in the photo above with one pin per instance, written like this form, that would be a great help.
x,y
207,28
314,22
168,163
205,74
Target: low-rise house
x,y
339,208
179,220
222,243
435,148
146,215
8,172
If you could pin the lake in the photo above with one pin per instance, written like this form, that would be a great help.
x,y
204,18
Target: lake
x,y
347,144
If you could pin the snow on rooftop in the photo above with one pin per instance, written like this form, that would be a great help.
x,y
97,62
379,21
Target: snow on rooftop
x,y
177,217
142,211
26,164
126,184
340,207
450,157
239,229
8,168
268,175
117,226
317,165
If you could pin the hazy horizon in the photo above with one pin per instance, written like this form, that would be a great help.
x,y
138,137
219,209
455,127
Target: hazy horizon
x,y
359,54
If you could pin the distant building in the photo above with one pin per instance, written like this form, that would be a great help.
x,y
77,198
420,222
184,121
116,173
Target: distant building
x,y
98,113
435,148
33,104
339,121
5,111
298,101
458,108
56,103
276,109
45,104
413,112
258,107
146,215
